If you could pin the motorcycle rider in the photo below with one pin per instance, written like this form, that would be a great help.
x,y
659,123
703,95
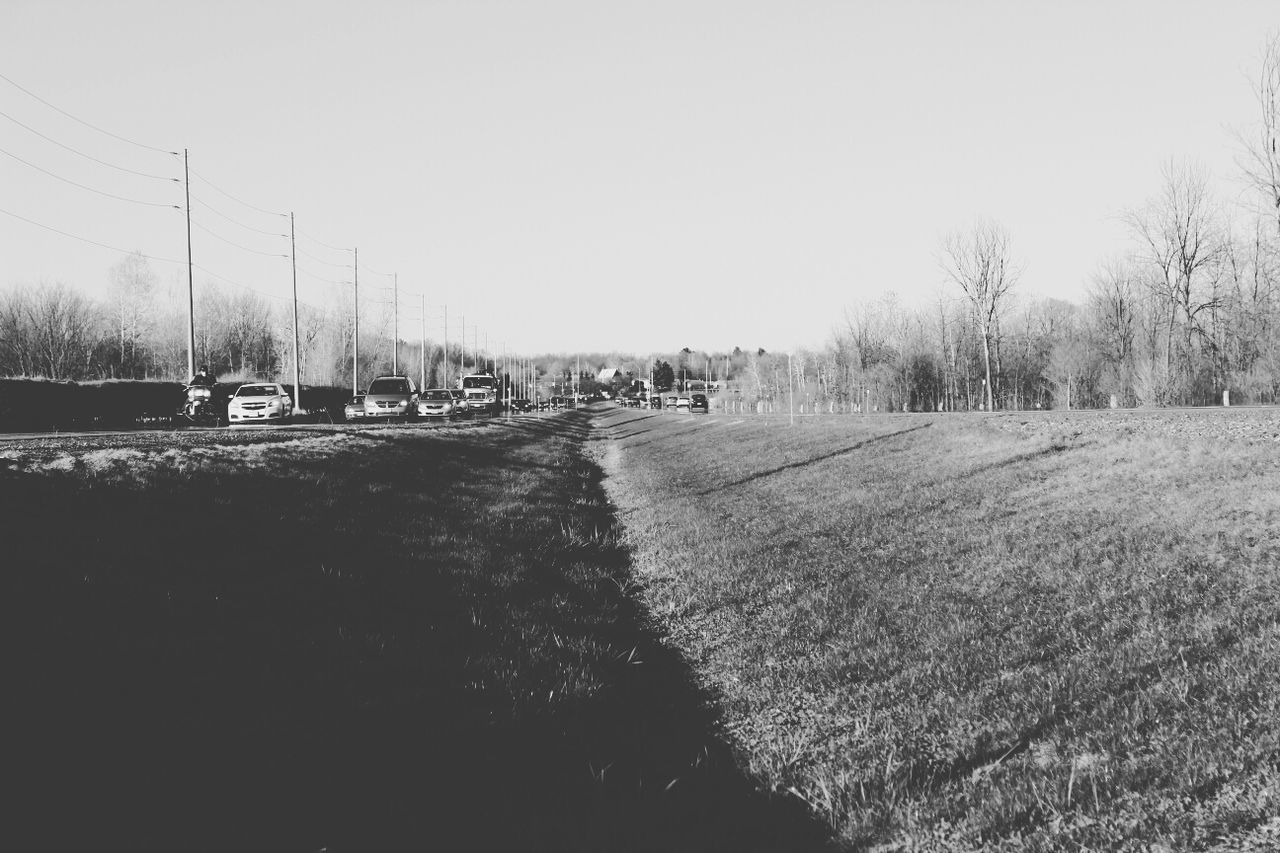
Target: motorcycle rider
x,y
201,378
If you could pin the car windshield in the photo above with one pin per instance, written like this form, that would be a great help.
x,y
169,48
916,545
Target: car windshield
x,y
438,395
456,394
479,382
257,391
389,386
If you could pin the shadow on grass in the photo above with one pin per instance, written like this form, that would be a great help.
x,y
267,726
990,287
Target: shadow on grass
x,y
388,650
822,457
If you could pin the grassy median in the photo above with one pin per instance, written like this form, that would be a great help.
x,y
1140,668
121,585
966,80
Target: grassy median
x,y
945,635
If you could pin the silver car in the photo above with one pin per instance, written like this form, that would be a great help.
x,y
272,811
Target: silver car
x,y
394,397
260,402
435,403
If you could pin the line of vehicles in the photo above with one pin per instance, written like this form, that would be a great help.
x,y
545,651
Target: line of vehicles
x,y
692,403
387,398
398,397
253,402
393,398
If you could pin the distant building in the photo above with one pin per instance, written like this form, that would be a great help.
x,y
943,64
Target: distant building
x,y
608,374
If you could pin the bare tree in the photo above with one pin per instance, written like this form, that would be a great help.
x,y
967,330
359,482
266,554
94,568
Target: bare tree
x,y
133,286
1113,299
1261,158
61,325
979,262
1181,241
17,348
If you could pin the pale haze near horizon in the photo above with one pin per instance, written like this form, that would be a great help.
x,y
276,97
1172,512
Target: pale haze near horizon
x,y
593,176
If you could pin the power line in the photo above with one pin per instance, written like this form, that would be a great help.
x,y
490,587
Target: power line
x,y
87,240
321,278
323,243
85,123
236,200
307,254
90,189
237,245
234,283
234,221
87,156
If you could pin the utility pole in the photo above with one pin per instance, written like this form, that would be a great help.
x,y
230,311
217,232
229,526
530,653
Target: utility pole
x,y
446,346
395,324
462,365
297,364
791,396
423,379
191,286
355,328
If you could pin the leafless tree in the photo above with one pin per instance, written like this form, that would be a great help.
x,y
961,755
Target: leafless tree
x,y
1113,298
1260,160
979,262
61,330
133,286
1181,242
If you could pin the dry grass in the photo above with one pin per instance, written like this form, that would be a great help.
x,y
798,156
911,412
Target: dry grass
x,y
942,634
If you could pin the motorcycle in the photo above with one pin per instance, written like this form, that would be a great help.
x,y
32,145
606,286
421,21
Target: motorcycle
x,y
198,407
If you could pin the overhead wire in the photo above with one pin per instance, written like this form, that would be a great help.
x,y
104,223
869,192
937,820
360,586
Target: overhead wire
x,y
307,254
85,187
324,311
307,236
320,278
87,240
218,236
80,153
244,286
85,123
233,198
235,221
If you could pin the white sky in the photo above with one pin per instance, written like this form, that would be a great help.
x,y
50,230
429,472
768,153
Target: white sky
x,y
596,175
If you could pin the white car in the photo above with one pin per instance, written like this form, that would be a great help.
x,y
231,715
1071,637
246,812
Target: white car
x,y
435,403
391,397
260,402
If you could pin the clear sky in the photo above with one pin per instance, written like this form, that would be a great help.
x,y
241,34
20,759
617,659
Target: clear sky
x,y
596,175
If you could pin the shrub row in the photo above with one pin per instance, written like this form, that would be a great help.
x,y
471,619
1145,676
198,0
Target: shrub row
x,y
42,404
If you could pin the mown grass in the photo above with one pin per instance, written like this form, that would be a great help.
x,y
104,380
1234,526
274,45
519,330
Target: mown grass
x,y
389,640
942,636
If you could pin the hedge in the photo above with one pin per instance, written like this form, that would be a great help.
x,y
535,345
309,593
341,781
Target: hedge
x,y
31,405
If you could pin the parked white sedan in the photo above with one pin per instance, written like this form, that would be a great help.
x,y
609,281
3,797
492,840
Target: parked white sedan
x,y
260,402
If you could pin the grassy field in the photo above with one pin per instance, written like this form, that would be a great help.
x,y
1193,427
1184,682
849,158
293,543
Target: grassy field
x,y
383,639
622,630
968,633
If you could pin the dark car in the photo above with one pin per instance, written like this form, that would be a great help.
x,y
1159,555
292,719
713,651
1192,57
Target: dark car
x,y
699,403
